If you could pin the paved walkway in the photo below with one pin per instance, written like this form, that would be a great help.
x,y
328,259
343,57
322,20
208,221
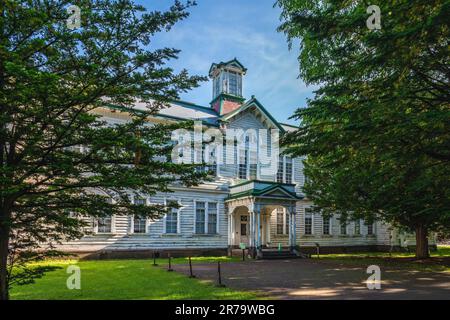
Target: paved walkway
x,y
312,279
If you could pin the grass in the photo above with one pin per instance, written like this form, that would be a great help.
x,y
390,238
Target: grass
x,y
439,260
125,279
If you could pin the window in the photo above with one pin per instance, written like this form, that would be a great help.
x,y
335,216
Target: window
x,y
233,83
286,222
200,217
139,223
243,159
172,219
308,223
280,170
253,167
370,229
280,221
326,226
343,228
212,218
288,170
244,220
206,217
357,227
211,165
105,225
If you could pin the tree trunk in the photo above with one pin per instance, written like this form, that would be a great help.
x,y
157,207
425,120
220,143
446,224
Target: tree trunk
x,y
422,242
4,250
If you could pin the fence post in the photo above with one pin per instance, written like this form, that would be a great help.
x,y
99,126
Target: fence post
x,y
154,259
170,263
190,269
219,284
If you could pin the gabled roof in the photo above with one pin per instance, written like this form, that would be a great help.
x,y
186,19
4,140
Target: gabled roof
x,y
178,110
223,64
253,102
182,110
277,190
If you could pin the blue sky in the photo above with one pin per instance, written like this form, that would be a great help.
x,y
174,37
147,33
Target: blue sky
x,y
219,30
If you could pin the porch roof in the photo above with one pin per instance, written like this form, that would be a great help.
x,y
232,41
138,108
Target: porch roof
x,y
263,189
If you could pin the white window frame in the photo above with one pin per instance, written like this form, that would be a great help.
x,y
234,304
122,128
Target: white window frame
x,y
178,216
205,231
330,229
346,228
357,222
131,230
284,173
312,223
113,226
367,228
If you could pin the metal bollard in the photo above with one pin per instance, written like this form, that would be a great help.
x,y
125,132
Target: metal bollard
x,y
154,259
190,269
219,282
170,264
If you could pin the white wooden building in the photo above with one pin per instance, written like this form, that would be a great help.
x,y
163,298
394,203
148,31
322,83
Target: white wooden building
x,y
242,206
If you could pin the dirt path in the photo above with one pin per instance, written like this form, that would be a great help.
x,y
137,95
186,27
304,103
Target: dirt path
x,y
312,279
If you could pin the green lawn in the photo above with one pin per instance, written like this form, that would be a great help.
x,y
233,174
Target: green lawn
x,y
439,261
126,279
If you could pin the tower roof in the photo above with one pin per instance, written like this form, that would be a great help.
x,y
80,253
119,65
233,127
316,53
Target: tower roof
x,y
234,63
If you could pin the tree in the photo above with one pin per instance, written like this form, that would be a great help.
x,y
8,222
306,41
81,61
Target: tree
x,y
377,132
52,78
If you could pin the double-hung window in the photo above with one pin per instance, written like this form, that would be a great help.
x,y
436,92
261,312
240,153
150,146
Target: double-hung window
x,y
282,221
308,223
280,171
139,223
288,170
343,227
326,226
104,225
172,221
206,217
212,217
284,171
357,227
369,228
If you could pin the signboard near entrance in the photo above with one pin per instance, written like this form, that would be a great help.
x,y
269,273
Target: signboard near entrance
x,y
242,246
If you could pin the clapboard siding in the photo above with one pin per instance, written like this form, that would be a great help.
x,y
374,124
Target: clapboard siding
x,y
155,237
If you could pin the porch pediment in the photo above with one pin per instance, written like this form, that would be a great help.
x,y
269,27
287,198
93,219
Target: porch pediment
x,y
263,189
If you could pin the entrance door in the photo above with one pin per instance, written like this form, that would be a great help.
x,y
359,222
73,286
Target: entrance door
x,y
244,229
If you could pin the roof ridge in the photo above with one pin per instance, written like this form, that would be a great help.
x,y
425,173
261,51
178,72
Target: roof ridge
x,y
184,103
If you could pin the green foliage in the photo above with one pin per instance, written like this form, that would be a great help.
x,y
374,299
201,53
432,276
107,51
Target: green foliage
x,y
377,132
51,81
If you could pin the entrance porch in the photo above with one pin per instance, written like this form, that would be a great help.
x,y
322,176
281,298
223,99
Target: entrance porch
x,y
262,215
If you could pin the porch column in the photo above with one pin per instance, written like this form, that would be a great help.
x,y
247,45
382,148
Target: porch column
x,y
230,229
294,224
291,229
250,236
258,216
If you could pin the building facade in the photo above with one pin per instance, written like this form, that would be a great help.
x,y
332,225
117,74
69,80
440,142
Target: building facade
x,y
247,205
